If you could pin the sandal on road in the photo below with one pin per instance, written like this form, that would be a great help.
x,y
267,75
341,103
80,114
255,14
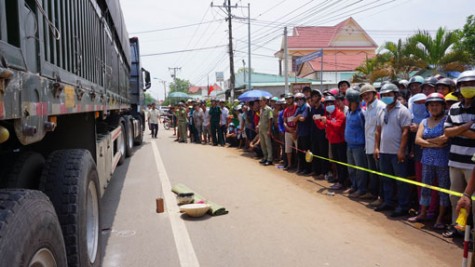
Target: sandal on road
x,y
417,219
336,186
451,232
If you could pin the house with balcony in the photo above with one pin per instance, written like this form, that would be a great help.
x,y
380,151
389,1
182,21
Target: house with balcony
x,y
345,46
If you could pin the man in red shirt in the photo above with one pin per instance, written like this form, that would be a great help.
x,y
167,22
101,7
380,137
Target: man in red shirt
x,y
290,134
334,124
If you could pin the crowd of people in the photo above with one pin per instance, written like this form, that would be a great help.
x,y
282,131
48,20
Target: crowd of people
x,y
421,129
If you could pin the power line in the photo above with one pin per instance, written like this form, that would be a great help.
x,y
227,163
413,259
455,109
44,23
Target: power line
x,y
193,36
182,51
174,28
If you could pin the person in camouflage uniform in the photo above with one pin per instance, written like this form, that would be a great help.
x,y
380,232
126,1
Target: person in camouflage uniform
x,y
182,118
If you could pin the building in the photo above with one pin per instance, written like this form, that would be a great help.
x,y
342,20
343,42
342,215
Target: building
x,y
201,92
345,46
274,84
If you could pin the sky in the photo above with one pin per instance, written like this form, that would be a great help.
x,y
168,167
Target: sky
x,y
193,36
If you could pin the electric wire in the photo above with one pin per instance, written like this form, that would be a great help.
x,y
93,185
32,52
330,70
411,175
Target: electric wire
x,y
173,28
202,37
193,35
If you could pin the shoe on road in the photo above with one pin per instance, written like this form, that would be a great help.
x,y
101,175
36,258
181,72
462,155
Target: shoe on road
x,y
337,186
376,203
399,212
384,207
355,194
349,191
368,196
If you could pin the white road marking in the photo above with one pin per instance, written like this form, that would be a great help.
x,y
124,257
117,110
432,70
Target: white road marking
x,y
185,250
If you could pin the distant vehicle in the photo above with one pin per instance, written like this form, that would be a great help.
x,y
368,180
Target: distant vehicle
x,y
163,110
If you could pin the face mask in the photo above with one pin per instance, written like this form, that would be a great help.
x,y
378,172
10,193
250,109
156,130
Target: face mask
x,y
419,111
467,91
388,100
330,109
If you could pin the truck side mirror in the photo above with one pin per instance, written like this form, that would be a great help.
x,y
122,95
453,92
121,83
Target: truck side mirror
x,y
148,83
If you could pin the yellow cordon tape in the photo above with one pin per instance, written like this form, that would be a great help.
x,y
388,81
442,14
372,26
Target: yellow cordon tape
x,y
397,178
309,156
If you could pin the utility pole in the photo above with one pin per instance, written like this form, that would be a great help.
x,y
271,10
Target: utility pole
x,y
164,89
164,86
231,52
286,62
249,44
174,69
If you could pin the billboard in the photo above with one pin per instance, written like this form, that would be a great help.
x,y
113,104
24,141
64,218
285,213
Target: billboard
x,y
219,76
298,87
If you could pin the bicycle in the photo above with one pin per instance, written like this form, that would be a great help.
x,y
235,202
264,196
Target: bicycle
x,y
167,122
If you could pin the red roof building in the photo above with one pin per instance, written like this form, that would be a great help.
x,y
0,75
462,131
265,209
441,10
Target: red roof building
x,y
202,91
345,46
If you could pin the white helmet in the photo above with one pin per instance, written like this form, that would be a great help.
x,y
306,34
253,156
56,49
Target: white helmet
x,y
404,82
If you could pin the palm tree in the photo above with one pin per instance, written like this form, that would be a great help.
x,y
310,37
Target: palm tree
x,y
397,59
371,70
436,53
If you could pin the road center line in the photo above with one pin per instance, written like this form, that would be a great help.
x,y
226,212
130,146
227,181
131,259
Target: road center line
x,y
185,250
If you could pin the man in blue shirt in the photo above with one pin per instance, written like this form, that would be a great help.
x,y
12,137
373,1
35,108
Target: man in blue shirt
x,y
303,133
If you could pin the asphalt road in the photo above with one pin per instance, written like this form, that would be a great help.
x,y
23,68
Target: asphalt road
x,y
275,218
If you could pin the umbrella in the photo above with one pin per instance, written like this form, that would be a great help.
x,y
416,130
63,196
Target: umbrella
x,y
252,95
178,95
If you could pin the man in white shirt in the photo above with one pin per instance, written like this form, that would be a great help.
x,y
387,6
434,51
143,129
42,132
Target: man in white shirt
x,y
374,107
223,122
153,119
206,130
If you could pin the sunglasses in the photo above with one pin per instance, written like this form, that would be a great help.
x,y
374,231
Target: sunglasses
x,y
386,117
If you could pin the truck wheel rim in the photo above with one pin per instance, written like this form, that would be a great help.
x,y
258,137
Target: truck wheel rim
x,y
122,139
130,136
43,258
92,206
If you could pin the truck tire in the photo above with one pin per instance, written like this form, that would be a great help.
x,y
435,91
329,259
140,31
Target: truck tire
x,y
129,138
30,234
139,139
26,171
71,181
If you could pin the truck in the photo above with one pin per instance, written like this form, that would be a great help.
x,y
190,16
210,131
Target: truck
x,y
71,110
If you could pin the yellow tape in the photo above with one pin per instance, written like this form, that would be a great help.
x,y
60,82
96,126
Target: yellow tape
x,y
397,178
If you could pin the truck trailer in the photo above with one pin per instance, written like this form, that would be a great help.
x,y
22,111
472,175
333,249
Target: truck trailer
x,y
71,109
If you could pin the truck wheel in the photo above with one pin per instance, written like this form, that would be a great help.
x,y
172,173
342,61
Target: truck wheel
x,y
71,181
26,171
129,138
30,234
139,139
121,143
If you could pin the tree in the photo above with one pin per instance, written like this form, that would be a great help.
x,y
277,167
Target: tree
x,y
372,69
397,60
149,99
467,35
180,85
438,53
